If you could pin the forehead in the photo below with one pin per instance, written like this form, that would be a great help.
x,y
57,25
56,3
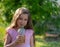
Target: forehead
x,y
23,16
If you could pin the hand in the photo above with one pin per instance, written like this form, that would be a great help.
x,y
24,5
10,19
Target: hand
x,y
20,39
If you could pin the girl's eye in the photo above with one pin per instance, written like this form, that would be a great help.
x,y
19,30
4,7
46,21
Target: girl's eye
x,y
26,19
20,19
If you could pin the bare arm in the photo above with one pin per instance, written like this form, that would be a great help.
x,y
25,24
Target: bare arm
x,y
7,42
32,41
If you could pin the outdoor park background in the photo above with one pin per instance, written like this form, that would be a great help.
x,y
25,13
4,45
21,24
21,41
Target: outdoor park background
x,y
45,16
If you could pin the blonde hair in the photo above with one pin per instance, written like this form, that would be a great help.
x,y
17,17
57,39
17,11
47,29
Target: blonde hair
x,y
18,12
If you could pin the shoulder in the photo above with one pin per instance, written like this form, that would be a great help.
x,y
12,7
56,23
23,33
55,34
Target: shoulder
x,y
9,30
30,31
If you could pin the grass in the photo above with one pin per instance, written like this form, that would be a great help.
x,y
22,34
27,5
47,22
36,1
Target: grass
x,y
40,42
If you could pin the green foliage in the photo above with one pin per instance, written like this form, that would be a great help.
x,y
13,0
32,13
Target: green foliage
x,y
42,11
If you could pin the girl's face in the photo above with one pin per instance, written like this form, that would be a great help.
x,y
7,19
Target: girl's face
x,y
22,20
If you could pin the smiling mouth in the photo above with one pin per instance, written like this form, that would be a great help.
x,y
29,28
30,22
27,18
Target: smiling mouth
x,y
21,25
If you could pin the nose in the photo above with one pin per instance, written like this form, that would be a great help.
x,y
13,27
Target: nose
x,y
22,22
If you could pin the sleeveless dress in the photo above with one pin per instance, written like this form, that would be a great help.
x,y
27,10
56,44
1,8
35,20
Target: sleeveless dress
x,y
28,33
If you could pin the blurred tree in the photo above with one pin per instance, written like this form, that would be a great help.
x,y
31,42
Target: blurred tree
x,y
42,11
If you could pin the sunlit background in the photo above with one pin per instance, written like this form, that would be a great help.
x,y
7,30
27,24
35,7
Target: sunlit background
x,y
45,16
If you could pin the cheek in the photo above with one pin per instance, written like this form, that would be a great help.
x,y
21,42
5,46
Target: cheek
x,y
25,23
18,22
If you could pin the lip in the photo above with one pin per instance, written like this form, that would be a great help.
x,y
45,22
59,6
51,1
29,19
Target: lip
x,y
21,24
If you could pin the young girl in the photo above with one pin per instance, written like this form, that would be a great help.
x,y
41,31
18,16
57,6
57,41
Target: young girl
x,y
13,38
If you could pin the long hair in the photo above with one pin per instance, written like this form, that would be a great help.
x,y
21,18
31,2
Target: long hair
x,y
18,13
